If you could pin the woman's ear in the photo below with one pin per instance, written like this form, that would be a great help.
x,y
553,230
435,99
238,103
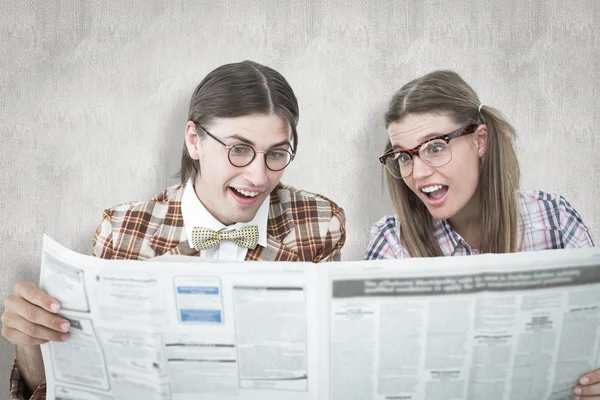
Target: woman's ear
x,y
481,137
192,141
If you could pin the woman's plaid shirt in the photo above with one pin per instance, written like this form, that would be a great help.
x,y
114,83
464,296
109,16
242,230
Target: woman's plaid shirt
x,y
547,222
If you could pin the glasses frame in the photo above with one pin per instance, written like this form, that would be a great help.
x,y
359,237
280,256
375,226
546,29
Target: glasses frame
x,y
465,130
229,147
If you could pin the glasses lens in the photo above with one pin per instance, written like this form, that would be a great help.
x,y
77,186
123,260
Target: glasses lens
x,y
399,165
241,155
436,153
277,159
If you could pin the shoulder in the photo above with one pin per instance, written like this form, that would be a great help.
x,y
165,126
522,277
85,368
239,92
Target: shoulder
x,y
155,206
535,195
135,230
308,223
303,206
139,221
544,209
552,212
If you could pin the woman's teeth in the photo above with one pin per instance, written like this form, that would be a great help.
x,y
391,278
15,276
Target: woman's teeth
x,y
430,189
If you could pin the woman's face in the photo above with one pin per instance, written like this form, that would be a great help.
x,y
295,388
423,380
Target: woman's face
x,y
446,190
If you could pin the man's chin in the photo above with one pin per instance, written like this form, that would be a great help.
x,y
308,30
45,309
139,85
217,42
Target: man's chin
x,y
242,217
241,213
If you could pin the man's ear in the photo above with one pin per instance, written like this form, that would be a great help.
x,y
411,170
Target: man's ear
x,y
192,141
481,138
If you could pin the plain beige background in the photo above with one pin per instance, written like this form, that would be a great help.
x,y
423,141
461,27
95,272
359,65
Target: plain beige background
x,y
94,99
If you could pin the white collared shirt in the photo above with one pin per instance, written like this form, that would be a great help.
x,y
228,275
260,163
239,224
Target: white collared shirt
x,y
196,215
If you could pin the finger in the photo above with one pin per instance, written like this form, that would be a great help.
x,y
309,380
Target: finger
x,y
16,337
34,314
590,390
30,292
590,378
33,331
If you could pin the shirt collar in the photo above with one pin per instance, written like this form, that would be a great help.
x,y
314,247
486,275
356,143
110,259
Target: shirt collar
x,y
448,239
196,215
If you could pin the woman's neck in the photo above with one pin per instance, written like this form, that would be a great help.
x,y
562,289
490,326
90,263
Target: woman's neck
x,y
467,222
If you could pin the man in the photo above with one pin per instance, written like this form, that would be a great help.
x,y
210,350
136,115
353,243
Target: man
x,y
230,205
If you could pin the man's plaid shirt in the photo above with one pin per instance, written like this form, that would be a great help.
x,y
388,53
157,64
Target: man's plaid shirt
x,y
302,226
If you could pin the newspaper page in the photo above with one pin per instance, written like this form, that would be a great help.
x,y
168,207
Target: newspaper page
x,y
513,326
178,330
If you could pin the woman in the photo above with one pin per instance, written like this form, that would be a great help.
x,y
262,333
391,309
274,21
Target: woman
x,y
453,176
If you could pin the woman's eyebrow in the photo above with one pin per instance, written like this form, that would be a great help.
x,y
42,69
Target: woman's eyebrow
x,y
429,136
421,140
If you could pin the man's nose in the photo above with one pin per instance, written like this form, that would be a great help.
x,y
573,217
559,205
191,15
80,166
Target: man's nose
x,y
256,171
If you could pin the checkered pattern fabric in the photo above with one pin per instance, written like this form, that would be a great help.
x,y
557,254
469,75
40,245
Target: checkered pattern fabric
x,y
302,226
548,221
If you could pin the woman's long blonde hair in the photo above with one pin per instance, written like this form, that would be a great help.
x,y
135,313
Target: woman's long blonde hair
x,y
446,93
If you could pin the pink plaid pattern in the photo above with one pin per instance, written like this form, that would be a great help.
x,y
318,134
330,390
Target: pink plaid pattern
x,y
548,221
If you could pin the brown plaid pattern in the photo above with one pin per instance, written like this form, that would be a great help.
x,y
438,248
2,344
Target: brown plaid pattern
x,y
302,226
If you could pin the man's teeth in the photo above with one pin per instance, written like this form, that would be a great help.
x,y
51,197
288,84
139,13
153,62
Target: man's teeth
x,y
430,189
246,193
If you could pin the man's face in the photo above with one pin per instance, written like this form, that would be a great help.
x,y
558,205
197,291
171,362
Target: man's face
x,y
234,194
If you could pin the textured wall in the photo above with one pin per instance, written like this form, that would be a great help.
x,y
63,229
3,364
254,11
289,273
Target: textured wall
x,y
94,97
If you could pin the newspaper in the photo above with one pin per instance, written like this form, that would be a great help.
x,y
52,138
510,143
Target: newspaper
x,y
512,326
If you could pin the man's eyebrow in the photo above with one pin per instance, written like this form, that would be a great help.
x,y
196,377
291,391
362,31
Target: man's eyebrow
x,y
241,139
421,140
251,143
283,142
